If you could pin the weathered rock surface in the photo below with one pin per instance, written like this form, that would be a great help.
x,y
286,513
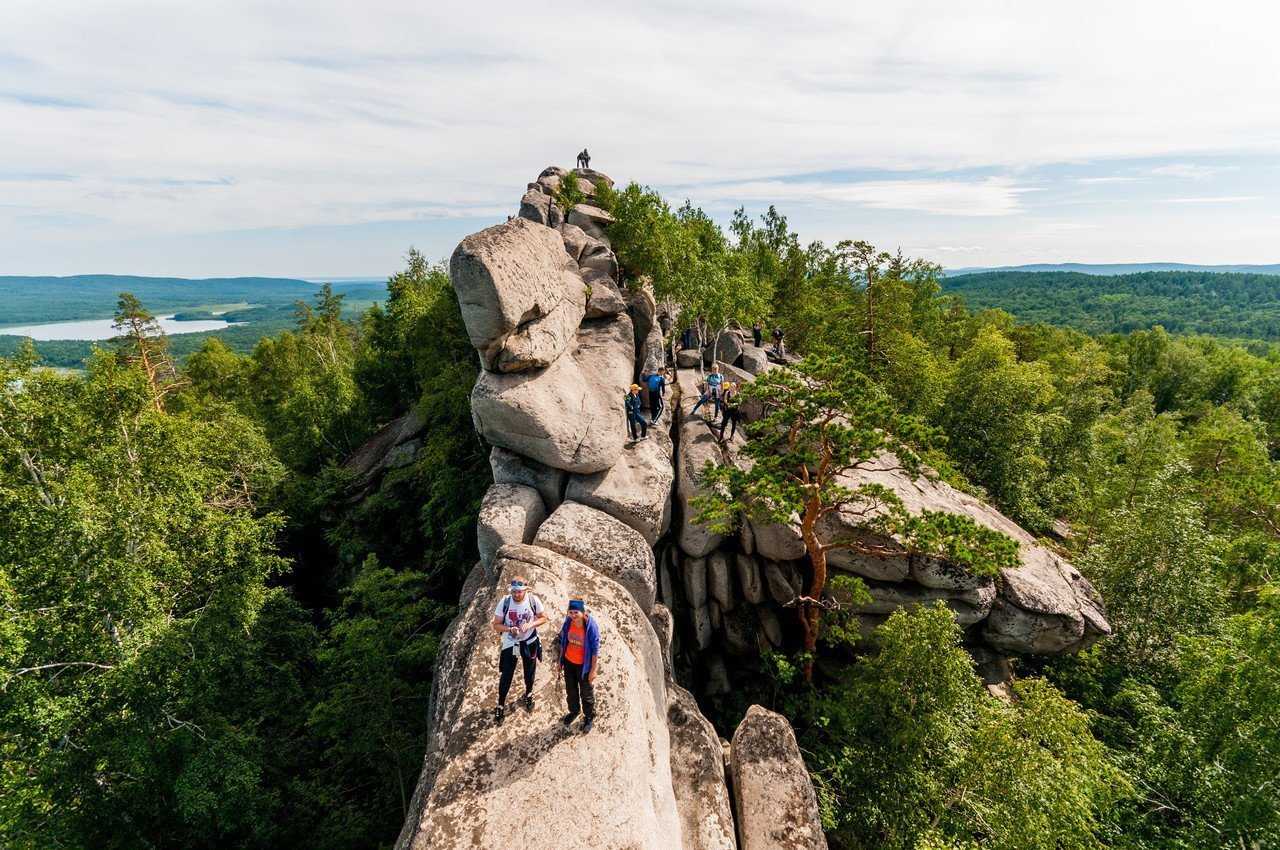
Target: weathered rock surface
x,y
697,446
637,488
755,360
604,300
592,220
568,415
694,577
510,468
697,769
719,582
509,513
521,295
469,787
749,579
606,545
385,450
775,803
783,581
688,358
729,345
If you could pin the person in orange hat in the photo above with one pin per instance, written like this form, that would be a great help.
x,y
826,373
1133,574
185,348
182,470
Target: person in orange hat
x,y
635,418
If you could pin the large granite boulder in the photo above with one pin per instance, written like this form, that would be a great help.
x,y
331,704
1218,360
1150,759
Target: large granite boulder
x,y
729,345
606,545
394,445
511,468
596,177
1043,605
636,489
603,298
509,513
488,786
755,360
592,220
521,295
697,769
775,803
569,415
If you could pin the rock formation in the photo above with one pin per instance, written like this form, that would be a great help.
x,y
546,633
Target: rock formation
x,y
582,512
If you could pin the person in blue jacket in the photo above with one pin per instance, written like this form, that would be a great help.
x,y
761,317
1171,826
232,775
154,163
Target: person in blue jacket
x,y
657,383
712,391
636,424
580,660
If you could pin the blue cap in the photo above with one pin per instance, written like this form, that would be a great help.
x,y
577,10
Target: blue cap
x,y
577,605
518,585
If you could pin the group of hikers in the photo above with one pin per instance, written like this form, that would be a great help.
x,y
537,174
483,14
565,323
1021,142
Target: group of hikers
x,y
698,334
516,620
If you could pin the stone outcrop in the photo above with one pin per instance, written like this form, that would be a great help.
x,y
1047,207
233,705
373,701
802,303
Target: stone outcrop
x,y
606,545
521,296
509,513
476,774
582,511
775,803
567,415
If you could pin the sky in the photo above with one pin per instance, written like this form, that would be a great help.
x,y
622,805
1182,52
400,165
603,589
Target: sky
x,y
323,139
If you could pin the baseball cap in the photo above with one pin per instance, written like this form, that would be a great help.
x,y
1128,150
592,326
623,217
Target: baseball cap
x,y
577,605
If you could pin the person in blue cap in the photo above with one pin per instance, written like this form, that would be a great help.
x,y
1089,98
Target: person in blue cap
x,y
516,619
580,661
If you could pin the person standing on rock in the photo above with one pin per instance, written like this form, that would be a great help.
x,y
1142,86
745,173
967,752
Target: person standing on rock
x,y
757,334
777,342
729,404
579,659
635,417
516,619
712,392
657,388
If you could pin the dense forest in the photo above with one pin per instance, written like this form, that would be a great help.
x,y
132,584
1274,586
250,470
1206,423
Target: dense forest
x,y
212,639
1245,306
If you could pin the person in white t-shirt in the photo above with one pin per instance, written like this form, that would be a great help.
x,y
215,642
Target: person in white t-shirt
x,y
516,619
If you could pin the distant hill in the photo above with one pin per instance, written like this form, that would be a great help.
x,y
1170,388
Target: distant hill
x,y
259,306
1116,268
31,300
1221,304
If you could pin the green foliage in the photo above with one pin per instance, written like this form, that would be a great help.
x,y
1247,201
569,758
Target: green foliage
x,y
568,193
1223,304
910,751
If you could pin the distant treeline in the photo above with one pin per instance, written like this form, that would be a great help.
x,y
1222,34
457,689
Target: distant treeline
x,y
1219,304
271,308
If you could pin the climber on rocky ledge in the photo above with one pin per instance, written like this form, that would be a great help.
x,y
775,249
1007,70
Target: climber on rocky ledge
x,y
584,159
579,659
516,619
711,392
635,418
657,383
729,405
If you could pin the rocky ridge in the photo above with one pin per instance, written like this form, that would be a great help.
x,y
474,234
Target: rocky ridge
x,y
581,512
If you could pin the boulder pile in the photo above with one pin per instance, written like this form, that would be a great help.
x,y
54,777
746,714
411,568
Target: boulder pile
x,y
576,510
582,512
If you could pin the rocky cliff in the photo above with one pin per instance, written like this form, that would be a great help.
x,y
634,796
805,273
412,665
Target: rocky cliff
x,y
582,512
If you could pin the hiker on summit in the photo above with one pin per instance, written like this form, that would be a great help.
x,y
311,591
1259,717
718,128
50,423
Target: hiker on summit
x,y
584,159
712,391
657,383
635,418
579,659
516,619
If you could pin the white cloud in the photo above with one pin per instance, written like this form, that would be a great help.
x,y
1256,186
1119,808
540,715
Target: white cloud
x,y
295,114
1189,170
1218,199
994,196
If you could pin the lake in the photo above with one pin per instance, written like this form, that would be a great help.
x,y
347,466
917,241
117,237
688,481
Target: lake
x,y
88,329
